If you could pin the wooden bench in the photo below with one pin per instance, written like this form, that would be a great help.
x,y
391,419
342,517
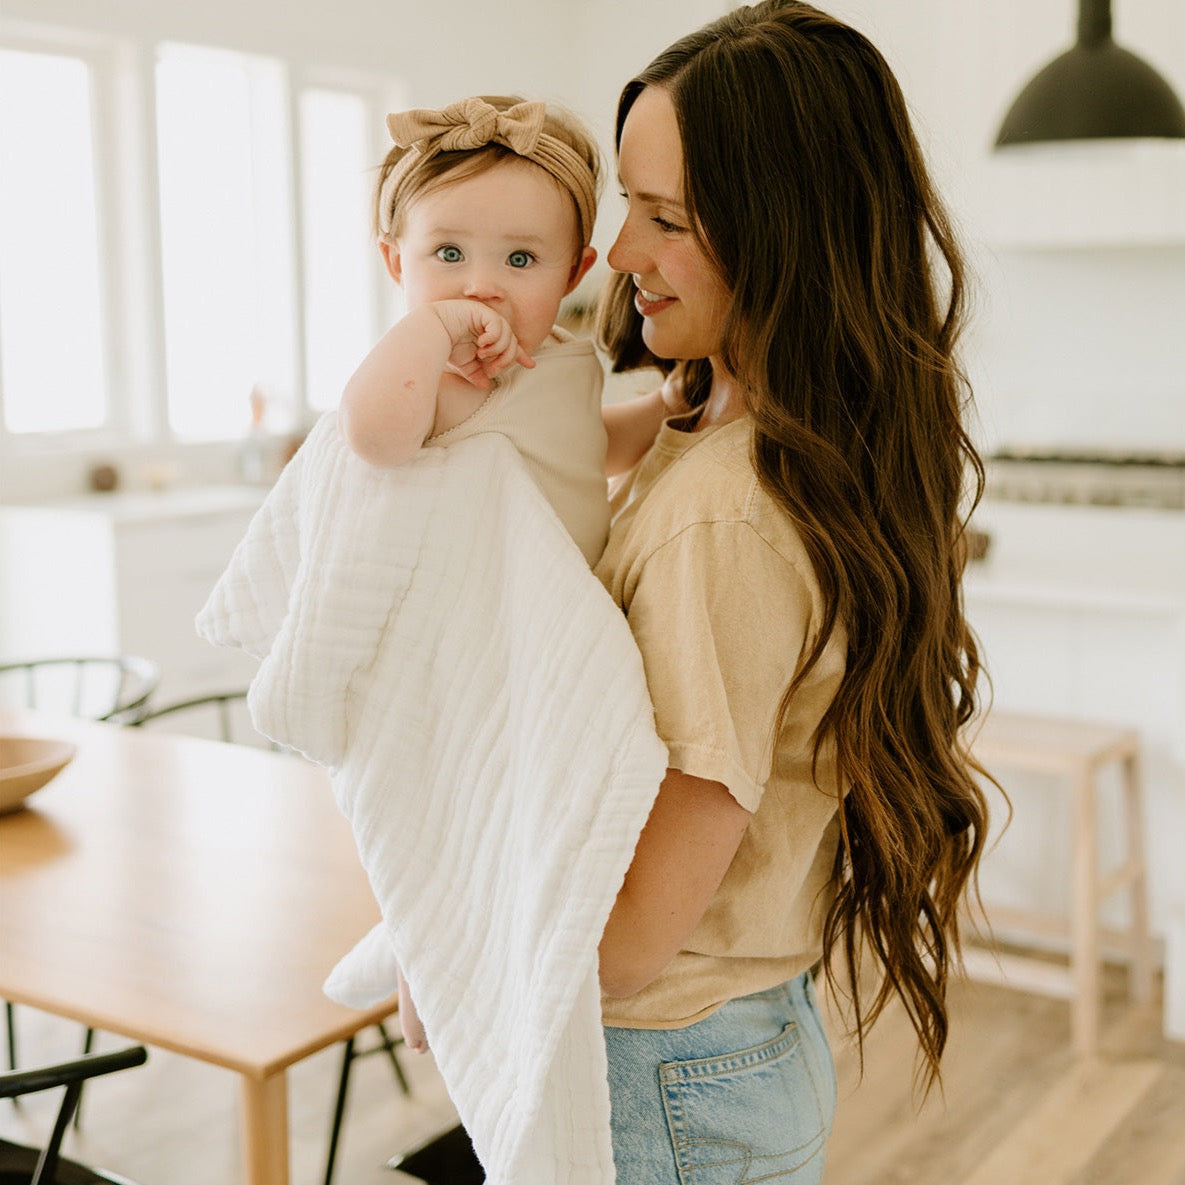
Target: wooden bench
x,y
1075,753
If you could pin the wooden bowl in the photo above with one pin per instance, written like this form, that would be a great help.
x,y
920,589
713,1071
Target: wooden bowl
x,y
26,764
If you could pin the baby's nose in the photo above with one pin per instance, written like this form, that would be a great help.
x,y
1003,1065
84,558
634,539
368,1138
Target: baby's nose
x,y
482,284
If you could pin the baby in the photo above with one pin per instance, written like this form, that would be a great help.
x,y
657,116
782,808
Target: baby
x,y
484,212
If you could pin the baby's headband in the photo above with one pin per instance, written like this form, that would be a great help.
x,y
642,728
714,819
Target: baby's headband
x,y
473,123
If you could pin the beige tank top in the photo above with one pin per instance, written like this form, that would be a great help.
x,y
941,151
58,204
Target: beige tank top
x,y
552,415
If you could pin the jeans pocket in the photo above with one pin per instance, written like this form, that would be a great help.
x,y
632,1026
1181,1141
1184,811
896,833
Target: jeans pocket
x,y
755,1115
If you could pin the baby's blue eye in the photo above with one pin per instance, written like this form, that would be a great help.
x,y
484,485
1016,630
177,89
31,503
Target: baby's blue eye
x,y
520,259
449,254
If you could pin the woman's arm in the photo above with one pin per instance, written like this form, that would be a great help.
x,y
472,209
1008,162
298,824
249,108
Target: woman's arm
x,y
693,832
633,425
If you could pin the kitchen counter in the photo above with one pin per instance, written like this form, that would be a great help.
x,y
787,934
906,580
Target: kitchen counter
x,y
1082,550
1080,611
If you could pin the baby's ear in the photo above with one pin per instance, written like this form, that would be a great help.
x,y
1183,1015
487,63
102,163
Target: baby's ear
x,y
391,257
579,269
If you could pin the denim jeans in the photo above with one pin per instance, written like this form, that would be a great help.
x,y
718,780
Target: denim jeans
x,y
744,1095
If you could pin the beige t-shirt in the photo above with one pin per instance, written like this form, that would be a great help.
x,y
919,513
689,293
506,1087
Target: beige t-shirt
x,y
552,415
724,605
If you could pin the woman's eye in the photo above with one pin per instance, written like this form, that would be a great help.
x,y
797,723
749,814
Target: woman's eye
x,y
449,254
520,259
665,226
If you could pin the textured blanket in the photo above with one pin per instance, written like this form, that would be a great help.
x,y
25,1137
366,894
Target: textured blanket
x,y
433,636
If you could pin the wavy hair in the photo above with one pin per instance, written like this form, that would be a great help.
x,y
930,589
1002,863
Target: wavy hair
x,y
805,184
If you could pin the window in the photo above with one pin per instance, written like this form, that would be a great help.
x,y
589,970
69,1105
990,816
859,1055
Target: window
x,y
227,265
157,272
337,178
53,370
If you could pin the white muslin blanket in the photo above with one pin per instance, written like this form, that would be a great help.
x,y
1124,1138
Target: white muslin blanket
x,y
433,636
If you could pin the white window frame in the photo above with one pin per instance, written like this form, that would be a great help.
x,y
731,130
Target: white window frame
x,y
136,430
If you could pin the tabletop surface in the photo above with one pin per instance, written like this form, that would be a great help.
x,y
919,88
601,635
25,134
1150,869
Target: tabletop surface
x,y
185,893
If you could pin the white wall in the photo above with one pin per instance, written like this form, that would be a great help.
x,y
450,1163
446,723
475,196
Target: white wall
x,y
1081,346
1078,337
574,52
441,51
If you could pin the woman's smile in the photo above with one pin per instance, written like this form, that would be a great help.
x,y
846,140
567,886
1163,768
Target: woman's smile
x,y
648,303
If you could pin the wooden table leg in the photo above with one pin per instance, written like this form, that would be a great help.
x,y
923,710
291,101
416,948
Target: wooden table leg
x,y
264,1125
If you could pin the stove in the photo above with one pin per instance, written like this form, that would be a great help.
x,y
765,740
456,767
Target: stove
x,y
1089,478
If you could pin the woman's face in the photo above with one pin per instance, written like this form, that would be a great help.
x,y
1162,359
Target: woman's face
x,y
680,294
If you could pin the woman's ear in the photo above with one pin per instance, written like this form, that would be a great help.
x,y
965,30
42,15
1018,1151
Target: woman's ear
x,y
391,258
580,268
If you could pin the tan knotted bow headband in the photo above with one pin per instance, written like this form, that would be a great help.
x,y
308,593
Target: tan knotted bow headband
x,y
472,124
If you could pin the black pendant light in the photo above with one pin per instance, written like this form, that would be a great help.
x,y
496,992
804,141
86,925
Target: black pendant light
x,y
1096,90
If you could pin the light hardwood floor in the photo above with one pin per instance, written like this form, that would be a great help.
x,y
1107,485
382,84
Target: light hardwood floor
x,y
1016,1108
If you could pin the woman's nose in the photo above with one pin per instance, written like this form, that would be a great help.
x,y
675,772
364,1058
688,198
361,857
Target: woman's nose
x,y
623,255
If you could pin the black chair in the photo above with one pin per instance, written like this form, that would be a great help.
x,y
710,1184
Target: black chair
x,y
218,715
110,687
21,1164
447,1159
223,715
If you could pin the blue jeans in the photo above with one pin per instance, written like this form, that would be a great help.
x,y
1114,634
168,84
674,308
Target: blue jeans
x,y
744,1095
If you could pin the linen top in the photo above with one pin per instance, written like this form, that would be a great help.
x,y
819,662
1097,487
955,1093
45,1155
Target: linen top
x,y
552,415
724,605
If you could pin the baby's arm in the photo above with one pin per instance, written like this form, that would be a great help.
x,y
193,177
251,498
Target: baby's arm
x,y
389,405
632,426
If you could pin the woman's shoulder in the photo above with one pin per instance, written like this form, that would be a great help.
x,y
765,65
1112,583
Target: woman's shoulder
x,y
712,486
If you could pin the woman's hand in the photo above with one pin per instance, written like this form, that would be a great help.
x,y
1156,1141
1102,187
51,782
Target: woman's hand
x,y
483,343
409,1019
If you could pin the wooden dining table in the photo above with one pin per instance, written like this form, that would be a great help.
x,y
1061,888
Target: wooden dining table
x,y
190,895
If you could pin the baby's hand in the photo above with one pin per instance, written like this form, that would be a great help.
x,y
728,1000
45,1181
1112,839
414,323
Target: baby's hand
x,y
484,345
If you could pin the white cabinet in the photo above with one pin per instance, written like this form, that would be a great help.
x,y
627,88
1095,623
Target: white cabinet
x,y
1084,194
1081,611
124,573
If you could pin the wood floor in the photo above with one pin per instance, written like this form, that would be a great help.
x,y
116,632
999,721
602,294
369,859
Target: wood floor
x,y
1016,1107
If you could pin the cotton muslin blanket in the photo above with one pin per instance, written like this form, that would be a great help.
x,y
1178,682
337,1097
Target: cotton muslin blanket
x,y
433,636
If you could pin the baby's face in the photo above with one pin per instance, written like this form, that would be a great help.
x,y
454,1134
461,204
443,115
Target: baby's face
x,y
506,237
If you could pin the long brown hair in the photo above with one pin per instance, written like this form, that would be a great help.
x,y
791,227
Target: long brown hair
x,y
804,182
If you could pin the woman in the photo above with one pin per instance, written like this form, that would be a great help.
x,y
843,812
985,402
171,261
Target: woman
x,y
789,555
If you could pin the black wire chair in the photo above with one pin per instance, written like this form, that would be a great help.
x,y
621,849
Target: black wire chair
x,y
21,1164
108,687
446,1159
113,687
223,716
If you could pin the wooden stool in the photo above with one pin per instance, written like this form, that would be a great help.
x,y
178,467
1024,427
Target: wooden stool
x,y
1076,751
